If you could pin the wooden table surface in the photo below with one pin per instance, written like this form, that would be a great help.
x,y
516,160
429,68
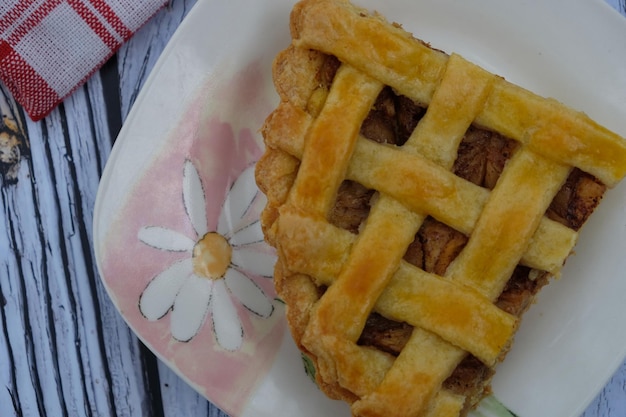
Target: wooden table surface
x,y
64,349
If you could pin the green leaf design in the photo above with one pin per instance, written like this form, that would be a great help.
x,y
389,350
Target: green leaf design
x,y
491,407
309,368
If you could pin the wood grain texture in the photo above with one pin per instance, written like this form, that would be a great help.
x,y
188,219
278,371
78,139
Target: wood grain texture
x,y
64,348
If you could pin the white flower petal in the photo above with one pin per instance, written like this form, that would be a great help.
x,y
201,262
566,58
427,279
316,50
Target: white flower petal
x,y
191,307
165,239
226,323
253,260
248,293
159,295
249,234
194,198
237,202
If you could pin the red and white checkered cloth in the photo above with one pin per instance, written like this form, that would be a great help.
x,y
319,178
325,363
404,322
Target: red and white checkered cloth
x,y
48,48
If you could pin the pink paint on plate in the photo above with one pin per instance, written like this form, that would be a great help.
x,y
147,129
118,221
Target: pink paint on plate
x,y
210,313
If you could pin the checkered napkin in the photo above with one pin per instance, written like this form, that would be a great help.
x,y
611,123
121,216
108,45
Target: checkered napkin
x,y
48,48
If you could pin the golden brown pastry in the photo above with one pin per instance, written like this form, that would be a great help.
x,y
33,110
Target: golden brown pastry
x,y
417,204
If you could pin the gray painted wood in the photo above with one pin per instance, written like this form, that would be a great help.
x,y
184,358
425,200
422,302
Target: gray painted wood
x,y
64,349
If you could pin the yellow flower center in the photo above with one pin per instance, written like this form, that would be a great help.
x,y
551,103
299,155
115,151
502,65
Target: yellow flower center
x,y
211,256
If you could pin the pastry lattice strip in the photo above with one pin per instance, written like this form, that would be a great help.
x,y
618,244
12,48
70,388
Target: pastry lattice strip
x,y
552,243
339,317
509,220
327,332
413,69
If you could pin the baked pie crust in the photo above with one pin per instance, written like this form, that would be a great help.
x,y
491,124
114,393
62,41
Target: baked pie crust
x,y
417,204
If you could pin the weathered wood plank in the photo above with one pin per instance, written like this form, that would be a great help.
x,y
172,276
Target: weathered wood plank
x,y
59,328
611,402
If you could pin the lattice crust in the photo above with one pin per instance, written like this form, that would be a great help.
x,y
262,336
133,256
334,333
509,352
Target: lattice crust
x,y
333,280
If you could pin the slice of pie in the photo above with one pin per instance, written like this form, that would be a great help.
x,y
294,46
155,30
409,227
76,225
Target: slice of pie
x,y
417,204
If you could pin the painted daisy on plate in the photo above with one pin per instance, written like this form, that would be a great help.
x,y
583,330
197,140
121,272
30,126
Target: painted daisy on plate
x,y
220,269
